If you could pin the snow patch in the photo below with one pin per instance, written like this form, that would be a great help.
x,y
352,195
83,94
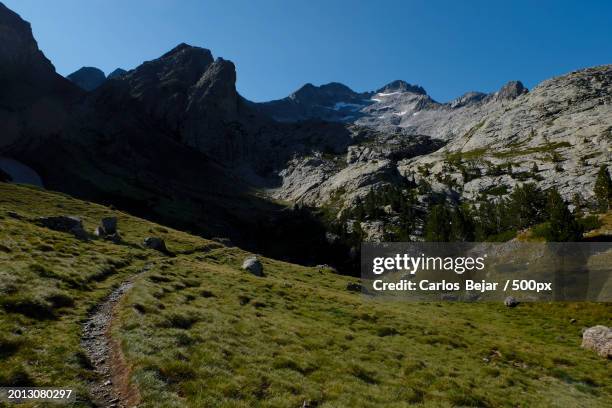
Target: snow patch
x,y
19,172
383,94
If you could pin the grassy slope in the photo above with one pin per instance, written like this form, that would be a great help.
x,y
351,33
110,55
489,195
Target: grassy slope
x,y
200,332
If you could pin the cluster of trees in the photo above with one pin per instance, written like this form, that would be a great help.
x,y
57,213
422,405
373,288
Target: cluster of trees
x,y
545,212
527,206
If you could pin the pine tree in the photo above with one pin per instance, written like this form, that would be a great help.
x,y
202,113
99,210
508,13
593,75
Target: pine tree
x,y
462,225
562,227
603,189
526,206
438,227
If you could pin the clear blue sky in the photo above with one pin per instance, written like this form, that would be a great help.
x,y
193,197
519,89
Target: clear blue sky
x,y
448,47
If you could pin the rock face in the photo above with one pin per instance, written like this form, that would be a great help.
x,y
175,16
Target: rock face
x,y
253,265
559,134
33,97
493,141
70,224
87,78
598,339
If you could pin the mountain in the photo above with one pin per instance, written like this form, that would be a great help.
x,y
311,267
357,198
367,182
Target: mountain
x,y
323,146
397,106
116,73
170,140
558,134
87,78
331,102
33,97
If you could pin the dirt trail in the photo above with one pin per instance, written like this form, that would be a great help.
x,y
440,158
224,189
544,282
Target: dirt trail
x,y
113,389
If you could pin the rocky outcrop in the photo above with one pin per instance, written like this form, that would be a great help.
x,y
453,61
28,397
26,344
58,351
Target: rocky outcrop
x,y
253,265
69,224
598,339
87,78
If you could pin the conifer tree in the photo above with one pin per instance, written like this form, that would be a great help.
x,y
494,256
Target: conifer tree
x,y
438,227
603,189
562,227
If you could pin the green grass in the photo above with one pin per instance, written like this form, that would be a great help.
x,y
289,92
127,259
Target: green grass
x,y
200,332
549,148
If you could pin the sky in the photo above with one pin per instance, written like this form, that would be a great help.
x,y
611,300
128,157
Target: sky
x,y
448,47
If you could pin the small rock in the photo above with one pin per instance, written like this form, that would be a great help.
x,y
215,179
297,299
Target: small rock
x,y
155,243
510,301
253,265
354,287
572,321
107,382
73,225
598,339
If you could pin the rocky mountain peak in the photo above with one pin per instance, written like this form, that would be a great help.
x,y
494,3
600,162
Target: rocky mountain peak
x,y
19,53
402,86
511,90
87,78
467,99
332,90
184,63
116,73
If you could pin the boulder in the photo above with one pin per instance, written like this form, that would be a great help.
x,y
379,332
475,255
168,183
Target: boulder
x,y
108,229
155,243
510,301
109,225
598,339
70,224
253,265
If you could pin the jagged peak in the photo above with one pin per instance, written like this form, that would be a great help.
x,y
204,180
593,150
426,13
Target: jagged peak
x,y
468,98
88,70
402,86
331,89
118,72
184,47
511,90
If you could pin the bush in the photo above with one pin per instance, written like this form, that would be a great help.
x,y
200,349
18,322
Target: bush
x,y
590,222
